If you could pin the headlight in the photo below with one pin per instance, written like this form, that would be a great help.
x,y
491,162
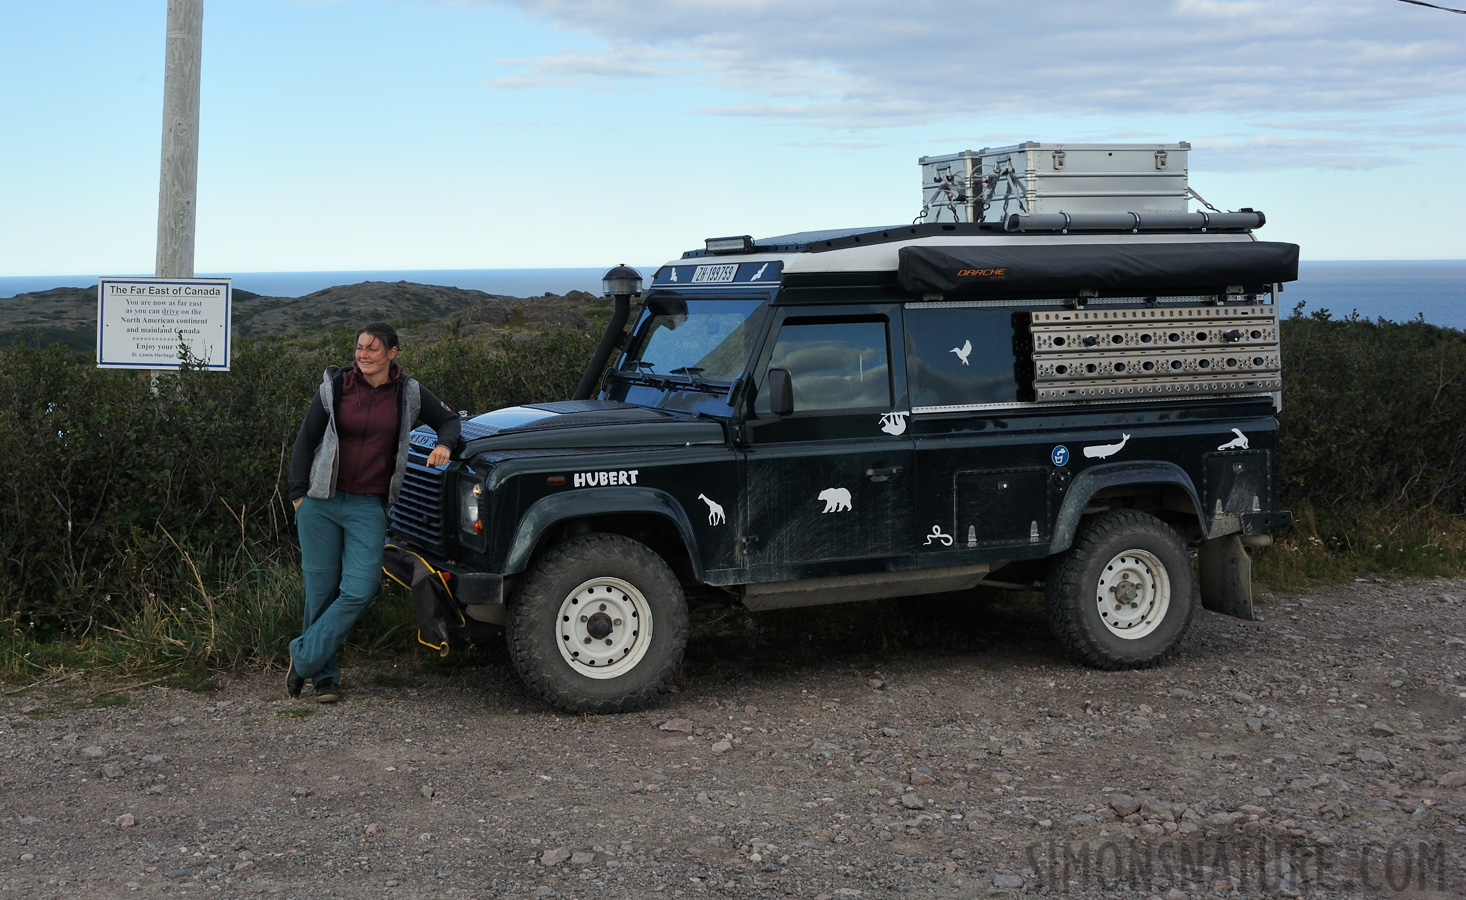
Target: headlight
x,y
470,508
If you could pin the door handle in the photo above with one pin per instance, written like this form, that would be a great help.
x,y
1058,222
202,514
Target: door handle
x,y
879,475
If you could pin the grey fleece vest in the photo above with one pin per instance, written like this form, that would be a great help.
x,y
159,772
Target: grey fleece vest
x,y
328,454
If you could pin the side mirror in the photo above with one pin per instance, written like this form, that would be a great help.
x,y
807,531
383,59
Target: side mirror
x,y
781,392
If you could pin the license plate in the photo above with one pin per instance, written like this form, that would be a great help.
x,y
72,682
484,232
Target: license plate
x,y
723,274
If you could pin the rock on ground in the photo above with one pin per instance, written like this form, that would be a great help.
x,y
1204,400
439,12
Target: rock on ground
x,y
991,766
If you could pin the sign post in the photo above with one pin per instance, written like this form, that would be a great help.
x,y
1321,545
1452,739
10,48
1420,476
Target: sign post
x,y
141,310
178,186
141,322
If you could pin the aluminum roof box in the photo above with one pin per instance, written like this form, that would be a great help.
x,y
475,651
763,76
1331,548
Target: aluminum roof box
x,y
988,184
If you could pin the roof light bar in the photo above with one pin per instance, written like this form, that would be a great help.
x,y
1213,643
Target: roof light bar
x,y
742,243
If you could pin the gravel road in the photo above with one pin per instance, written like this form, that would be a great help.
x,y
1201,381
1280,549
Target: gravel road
x,y
1317,753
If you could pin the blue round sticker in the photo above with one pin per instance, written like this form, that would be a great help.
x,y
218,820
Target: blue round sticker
x,y
1060,456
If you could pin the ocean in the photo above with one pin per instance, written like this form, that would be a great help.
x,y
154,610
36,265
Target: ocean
x,y
1397,290
508,282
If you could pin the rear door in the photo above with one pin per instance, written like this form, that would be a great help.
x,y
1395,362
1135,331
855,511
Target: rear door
x,y
982,485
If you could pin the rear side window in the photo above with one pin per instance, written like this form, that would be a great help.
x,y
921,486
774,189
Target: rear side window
x,y
833,364
959,356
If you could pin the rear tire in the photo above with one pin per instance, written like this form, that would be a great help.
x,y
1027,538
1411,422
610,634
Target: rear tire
x,y
599,626
1124,594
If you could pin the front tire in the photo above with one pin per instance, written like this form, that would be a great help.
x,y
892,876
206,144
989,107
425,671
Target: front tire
x,y
599,626
1124,594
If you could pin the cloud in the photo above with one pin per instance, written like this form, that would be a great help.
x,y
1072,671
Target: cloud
x,y
1273,152
591,69
1425,124
855,65
1064,56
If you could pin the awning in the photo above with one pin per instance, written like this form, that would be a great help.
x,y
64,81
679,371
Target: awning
x,y
1107,270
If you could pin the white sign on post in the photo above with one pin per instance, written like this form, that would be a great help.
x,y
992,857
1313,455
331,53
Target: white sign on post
x,y
140,322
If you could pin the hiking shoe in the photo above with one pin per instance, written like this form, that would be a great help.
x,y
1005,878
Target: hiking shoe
x,y
326,691
294,683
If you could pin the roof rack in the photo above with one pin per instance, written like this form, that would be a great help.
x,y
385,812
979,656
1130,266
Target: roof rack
x,y
1243,221
1135,223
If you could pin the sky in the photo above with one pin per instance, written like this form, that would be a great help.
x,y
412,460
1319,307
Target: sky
x,y
442,134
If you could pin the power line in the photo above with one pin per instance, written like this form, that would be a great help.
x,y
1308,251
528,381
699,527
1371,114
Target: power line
x,y
1461,12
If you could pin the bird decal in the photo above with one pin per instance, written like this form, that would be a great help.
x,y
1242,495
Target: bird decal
x,y
963,352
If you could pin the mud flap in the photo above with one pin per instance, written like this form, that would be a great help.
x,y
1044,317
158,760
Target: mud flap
x,y
437,611
1226,577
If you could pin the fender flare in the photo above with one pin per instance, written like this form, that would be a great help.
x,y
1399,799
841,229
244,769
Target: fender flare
x,y
550,511
1102,477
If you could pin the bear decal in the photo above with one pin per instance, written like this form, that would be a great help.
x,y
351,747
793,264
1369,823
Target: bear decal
x,y
836,499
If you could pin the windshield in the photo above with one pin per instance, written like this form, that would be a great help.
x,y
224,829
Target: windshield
x,y
697,341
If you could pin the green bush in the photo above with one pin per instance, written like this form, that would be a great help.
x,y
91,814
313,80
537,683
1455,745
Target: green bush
x,y
147,522
150,518
1374,415
108,473
478,376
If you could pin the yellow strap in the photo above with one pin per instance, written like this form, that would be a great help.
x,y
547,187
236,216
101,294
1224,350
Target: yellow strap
x,y
462,622
441,648
430,569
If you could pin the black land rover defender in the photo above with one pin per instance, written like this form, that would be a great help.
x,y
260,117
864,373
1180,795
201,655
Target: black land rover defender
x,y
1071,401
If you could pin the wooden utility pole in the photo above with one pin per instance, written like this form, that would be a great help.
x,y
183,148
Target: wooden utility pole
x,y
178,190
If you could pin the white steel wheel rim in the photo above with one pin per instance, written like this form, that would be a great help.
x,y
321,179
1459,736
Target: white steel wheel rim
x,y
604,628
1133,594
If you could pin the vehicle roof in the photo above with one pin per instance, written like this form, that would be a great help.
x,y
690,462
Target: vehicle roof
x,y
875,249
998,261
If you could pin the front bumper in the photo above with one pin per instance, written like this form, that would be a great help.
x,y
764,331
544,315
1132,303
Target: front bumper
x,y
469,587
476,588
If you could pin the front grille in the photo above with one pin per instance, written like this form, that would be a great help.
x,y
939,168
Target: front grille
x,y
418,513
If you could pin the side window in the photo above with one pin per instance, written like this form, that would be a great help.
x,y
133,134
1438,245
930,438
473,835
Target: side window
x,y
833,364
959,356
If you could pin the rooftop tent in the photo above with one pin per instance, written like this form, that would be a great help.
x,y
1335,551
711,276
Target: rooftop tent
x,y
1123,270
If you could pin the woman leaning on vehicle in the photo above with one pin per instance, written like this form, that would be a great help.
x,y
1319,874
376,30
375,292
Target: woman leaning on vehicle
x,y
345,472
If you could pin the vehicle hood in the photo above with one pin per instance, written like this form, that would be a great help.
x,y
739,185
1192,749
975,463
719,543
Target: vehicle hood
x,y
578,425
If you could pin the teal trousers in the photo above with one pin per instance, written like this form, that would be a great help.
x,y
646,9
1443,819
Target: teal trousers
x,y
341,559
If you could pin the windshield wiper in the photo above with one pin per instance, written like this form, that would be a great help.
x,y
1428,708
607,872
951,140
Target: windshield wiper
x,y
697,384
637,377
653,379
668,382
692,373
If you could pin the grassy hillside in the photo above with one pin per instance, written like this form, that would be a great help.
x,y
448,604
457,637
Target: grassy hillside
x,y
68,316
